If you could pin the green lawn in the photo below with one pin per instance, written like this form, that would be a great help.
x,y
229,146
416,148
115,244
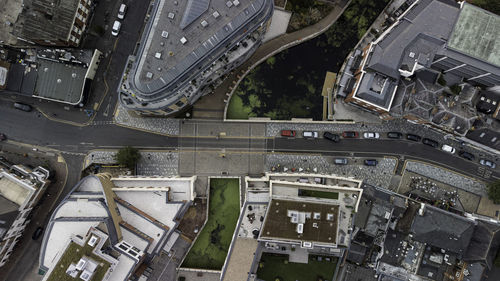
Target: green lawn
x,y
72,255
236,109
273,266
210,249
319,194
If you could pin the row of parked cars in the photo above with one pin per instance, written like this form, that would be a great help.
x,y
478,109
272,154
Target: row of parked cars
x,y
392,135
117,24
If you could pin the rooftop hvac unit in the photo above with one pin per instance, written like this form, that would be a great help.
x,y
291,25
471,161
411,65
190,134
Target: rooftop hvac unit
x,y
300,228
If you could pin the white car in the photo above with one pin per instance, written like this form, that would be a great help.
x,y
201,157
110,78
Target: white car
x,y
116,28
370,135
448,148
122,11
310,135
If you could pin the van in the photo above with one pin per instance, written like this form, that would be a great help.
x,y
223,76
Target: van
x,y
310,135
122,11
340,161
448,148
22,106
116,28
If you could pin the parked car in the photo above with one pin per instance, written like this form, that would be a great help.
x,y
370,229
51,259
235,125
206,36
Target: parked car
x,y
430,142
413,137
288,133
350,134
467,155
331,136
394,135
340,161
116,28
38,232
371,162
371,135
22,106
487,163
122,11
310,134
3,137
448,148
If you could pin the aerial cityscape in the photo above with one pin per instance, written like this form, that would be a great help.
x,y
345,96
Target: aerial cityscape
x,y
250,140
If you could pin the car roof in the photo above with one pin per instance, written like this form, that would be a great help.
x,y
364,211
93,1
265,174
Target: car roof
x,y
116,24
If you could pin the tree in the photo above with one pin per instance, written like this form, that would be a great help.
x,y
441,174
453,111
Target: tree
x,y
128,157
494,191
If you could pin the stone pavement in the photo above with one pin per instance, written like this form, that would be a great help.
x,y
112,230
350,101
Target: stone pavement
x,y
167,126
379,175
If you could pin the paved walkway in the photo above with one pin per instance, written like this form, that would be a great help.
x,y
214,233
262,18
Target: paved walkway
x,y
212,106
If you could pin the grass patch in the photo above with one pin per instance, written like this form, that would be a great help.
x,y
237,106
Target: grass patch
x,y
318,194
276,267
210,249
72,255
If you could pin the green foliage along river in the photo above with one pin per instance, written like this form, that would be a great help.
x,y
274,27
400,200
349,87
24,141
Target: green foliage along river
x,y
289,84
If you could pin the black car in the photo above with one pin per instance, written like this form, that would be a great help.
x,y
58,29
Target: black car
x,y
331,136
22,106
371,162
413,137
467,155
38,232
430,142
3,137
394,135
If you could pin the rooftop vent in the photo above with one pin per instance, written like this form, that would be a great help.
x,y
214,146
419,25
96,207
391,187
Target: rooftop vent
x,y
236,3
216,14
204,23
164,34
300,228
171,15
229,4
149,75
183,40
317,216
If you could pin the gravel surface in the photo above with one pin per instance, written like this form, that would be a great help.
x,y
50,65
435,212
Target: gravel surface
x,y
447,177
161,125
379,175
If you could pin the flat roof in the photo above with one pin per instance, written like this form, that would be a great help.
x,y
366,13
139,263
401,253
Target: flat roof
x,y
59,81
183,33
477,33
278,225
241,259
13,191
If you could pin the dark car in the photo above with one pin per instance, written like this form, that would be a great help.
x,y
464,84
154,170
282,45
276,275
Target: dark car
x,y
288,133
394,135
413,137
22,106
331,136
350,134
38,232
430,142
3,137
467,155
371,162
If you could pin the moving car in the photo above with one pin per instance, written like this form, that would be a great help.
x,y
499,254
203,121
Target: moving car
x,y
287,133
448,148
116,28
22,106
340,161
487,163
350,134
467,155
430,142
310,134
413,137
394,135
371,162
37,233
122,11
371,135
331,136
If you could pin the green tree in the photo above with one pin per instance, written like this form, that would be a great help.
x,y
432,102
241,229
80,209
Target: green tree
x,y
494,191
128,157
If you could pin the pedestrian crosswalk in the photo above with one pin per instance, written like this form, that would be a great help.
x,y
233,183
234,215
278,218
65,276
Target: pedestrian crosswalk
x,y
102,123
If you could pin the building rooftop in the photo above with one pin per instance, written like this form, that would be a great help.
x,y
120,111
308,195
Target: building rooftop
x,y
185,32
319,221
477,33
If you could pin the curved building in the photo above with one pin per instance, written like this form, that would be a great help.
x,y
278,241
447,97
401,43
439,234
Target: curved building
x,y
186,47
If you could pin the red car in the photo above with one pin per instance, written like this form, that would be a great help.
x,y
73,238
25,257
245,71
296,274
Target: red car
x,y
287,133
350,134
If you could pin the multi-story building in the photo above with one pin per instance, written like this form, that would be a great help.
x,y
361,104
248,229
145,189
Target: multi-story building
x,y
432,38
53,23
106,227
20,190
186,47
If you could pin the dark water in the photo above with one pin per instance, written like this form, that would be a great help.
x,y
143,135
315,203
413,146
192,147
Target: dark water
x,y
290,84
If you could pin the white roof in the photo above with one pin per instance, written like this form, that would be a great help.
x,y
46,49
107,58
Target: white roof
x,y
171,241
133,239
120,272
91,184
81,208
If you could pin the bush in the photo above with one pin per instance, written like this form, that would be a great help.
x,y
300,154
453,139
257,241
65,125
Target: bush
x,y
128,157
494,192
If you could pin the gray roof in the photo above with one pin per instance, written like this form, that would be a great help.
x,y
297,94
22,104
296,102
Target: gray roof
x,y
443,230
47,19
484,244
59,81
8,214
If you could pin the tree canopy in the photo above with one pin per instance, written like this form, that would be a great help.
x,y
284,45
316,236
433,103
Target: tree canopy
x,y
128,157
494,191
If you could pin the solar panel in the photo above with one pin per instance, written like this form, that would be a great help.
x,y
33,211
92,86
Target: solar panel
x,y
194,9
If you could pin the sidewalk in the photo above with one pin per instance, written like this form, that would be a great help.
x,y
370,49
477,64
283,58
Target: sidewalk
x,y
212,106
